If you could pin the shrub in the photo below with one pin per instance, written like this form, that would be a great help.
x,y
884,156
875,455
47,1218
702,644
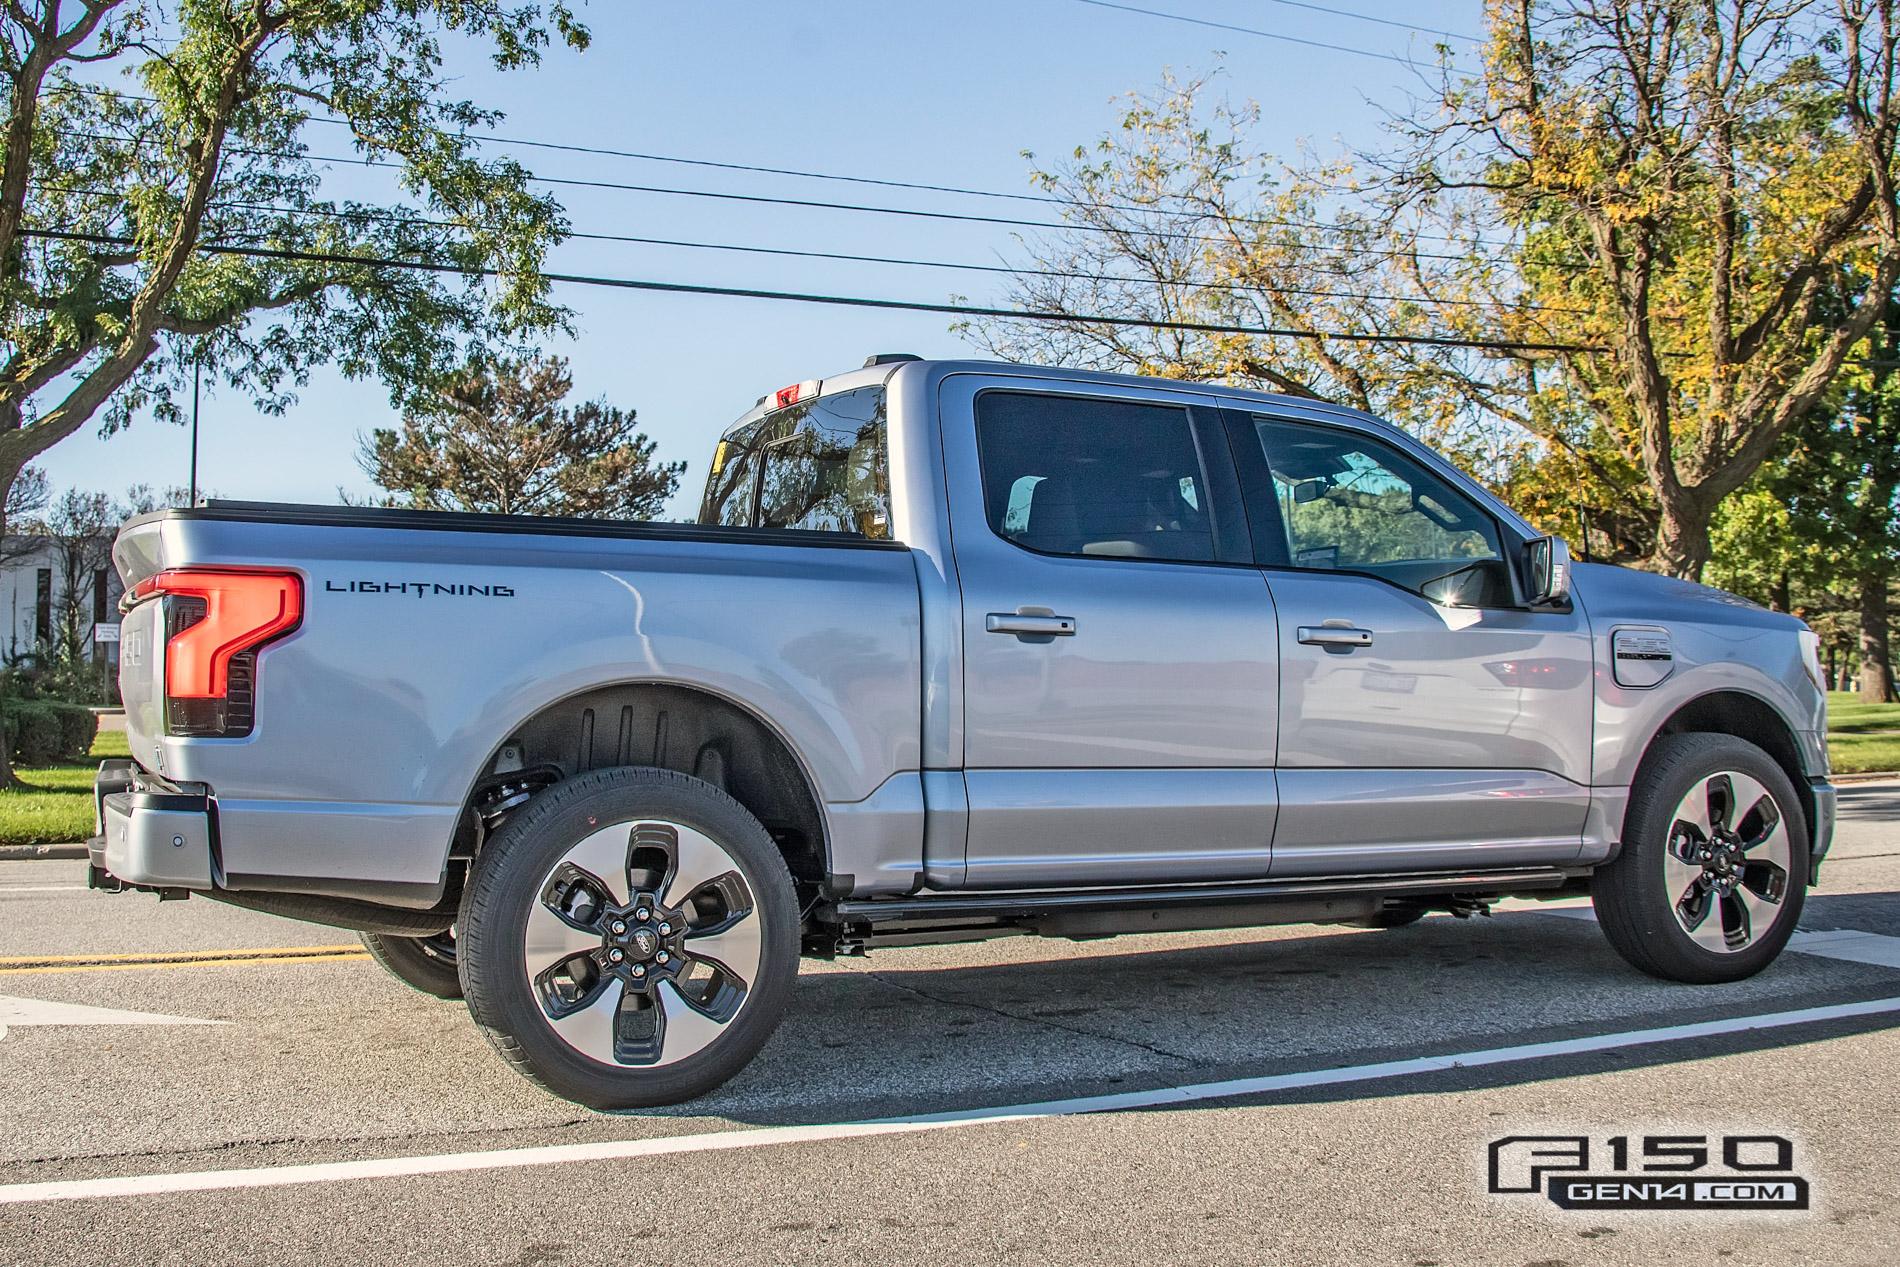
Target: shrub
x,y
46,732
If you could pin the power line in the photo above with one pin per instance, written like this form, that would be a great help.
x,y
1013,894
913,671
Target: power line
x,y
798,173
867,208
392,217
1250,30
848,301
1340,248
1367,17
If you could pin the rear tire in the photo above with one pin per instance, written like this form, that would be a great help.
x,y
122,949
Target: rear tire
x,y
421,963
1713,870
629,938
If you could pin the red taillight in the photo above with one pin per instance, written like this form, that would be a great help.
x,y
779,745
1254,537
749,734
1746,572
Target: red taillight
x,y
242,610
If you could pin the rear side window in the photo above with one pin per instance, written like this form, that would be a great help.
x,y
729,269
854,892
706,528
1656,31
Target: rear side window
x,y
823,465
1097,478
732,489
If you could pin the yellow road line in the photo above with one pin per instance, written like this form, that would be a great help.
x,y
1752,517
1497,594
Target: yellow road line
x,y
160,956
13,964
181,963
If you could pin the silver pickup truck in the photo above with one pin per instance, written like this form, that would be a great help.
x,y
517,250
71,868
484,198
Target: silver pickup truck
x,y
955,650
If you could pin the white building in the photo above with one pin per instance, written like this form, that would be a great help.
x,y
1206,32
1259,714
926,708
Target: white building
x,y
36,575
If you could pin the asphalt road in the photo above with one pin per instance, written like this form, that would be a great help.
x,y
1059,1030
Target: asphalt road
x,y
1473,1027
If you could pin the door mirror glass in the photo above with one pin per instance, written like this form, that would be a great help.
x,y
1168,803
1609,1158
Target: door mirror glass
x,y
1549,568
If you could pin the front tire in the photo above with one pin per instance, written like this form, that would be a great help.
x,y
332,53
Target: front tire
x,y
1713,871
629,938
427,964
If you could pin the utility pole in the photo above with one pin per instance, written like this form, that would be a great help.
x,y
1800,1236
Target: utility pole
x,y
197,373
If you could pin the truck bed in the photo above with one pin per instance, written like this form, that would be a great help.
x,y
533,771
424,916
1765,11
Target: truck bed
x,y
426,635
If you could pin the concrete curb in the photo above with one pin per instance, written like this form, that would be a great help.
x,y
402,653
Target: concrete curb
x,y
1871,776
24,853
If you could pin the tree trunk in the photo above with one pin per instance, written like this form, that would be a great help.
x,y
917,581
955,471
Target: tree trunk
x,y
1876,652
1682,537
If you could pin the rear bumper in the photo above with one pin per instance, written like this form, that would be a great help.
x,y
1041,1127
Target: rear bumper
x,y
155,838
180,838
1826,811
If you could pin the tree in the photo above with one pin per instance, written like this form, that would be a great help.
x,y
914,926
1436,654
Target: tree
x,y
25,499
182,218
1701,178
79,530
1661,220
496,438
1830,527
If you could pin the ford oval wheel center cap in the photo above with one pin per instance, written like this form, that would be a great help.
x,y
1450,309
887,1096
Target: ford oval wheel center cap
x,y
642,943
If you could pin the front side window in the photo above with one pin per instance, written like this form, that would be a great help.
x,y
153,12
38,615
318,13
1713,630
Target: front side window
x,y
1097,478
821,465
1353,503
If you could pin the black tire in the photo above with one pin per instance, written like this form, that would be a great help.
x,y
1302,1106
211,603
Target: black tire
x,y
1633,903
1391,917
422,963
517,869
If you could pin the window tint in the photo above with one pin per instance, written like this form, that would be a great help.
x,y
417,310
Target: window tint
x,y
822,465
1066,475
1351,502
733,484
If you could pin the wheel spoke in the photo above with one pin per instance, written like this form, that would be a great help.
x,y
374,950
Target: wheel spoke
x,y
590,1029
1768,841
684,1029
1758,912
1694,811
1719,795
1679,875
551,939
696,862
733,946
603,857
1704,923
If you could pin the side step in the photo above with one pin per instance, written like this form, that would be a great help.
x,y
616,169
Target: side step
x,y
849,925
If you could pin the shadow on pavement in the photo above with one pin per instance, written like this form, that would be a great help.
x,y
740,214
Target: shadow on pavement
x,y
885,1039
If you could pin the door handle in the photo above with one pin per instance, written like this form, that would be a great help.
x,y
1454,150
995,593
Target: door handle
x,y
1334,636
1024,625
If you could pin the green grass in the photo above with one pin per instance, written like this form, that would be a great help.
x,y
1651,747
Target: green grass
x,y
55,806
1862,737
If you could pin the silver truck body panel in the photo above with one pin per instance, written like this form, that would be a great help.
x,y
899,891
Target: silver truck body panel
x,y
1182,733
379,712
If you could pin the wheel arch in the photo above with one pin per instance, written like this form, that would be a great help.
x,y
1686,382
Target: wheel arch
x,y
678,726
1748,717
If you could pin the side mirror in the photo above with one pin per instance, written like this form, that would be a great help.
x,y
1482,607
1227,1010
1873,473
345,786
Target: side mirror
x,y
1549,560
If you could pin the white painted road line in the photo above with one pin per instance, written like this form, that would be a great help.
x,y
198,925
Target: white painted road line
x,y
1854,945
1850,944
43,888
17,1011
1163,1097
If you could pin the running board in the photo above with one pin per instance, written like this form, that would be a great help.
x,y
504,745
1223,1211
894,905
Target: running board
x,y
939,917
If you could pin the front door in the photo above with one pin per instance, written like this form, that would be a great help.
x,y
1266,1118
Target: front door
x,y
1428,718
1120,673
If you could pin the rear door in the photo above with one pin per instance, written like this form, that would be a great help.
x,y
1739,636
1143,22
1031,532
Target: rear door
x,y
1120,674
1428,718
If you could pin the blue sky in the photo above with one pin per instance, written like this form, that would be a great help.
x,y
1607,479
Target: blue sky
x,y
949,94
